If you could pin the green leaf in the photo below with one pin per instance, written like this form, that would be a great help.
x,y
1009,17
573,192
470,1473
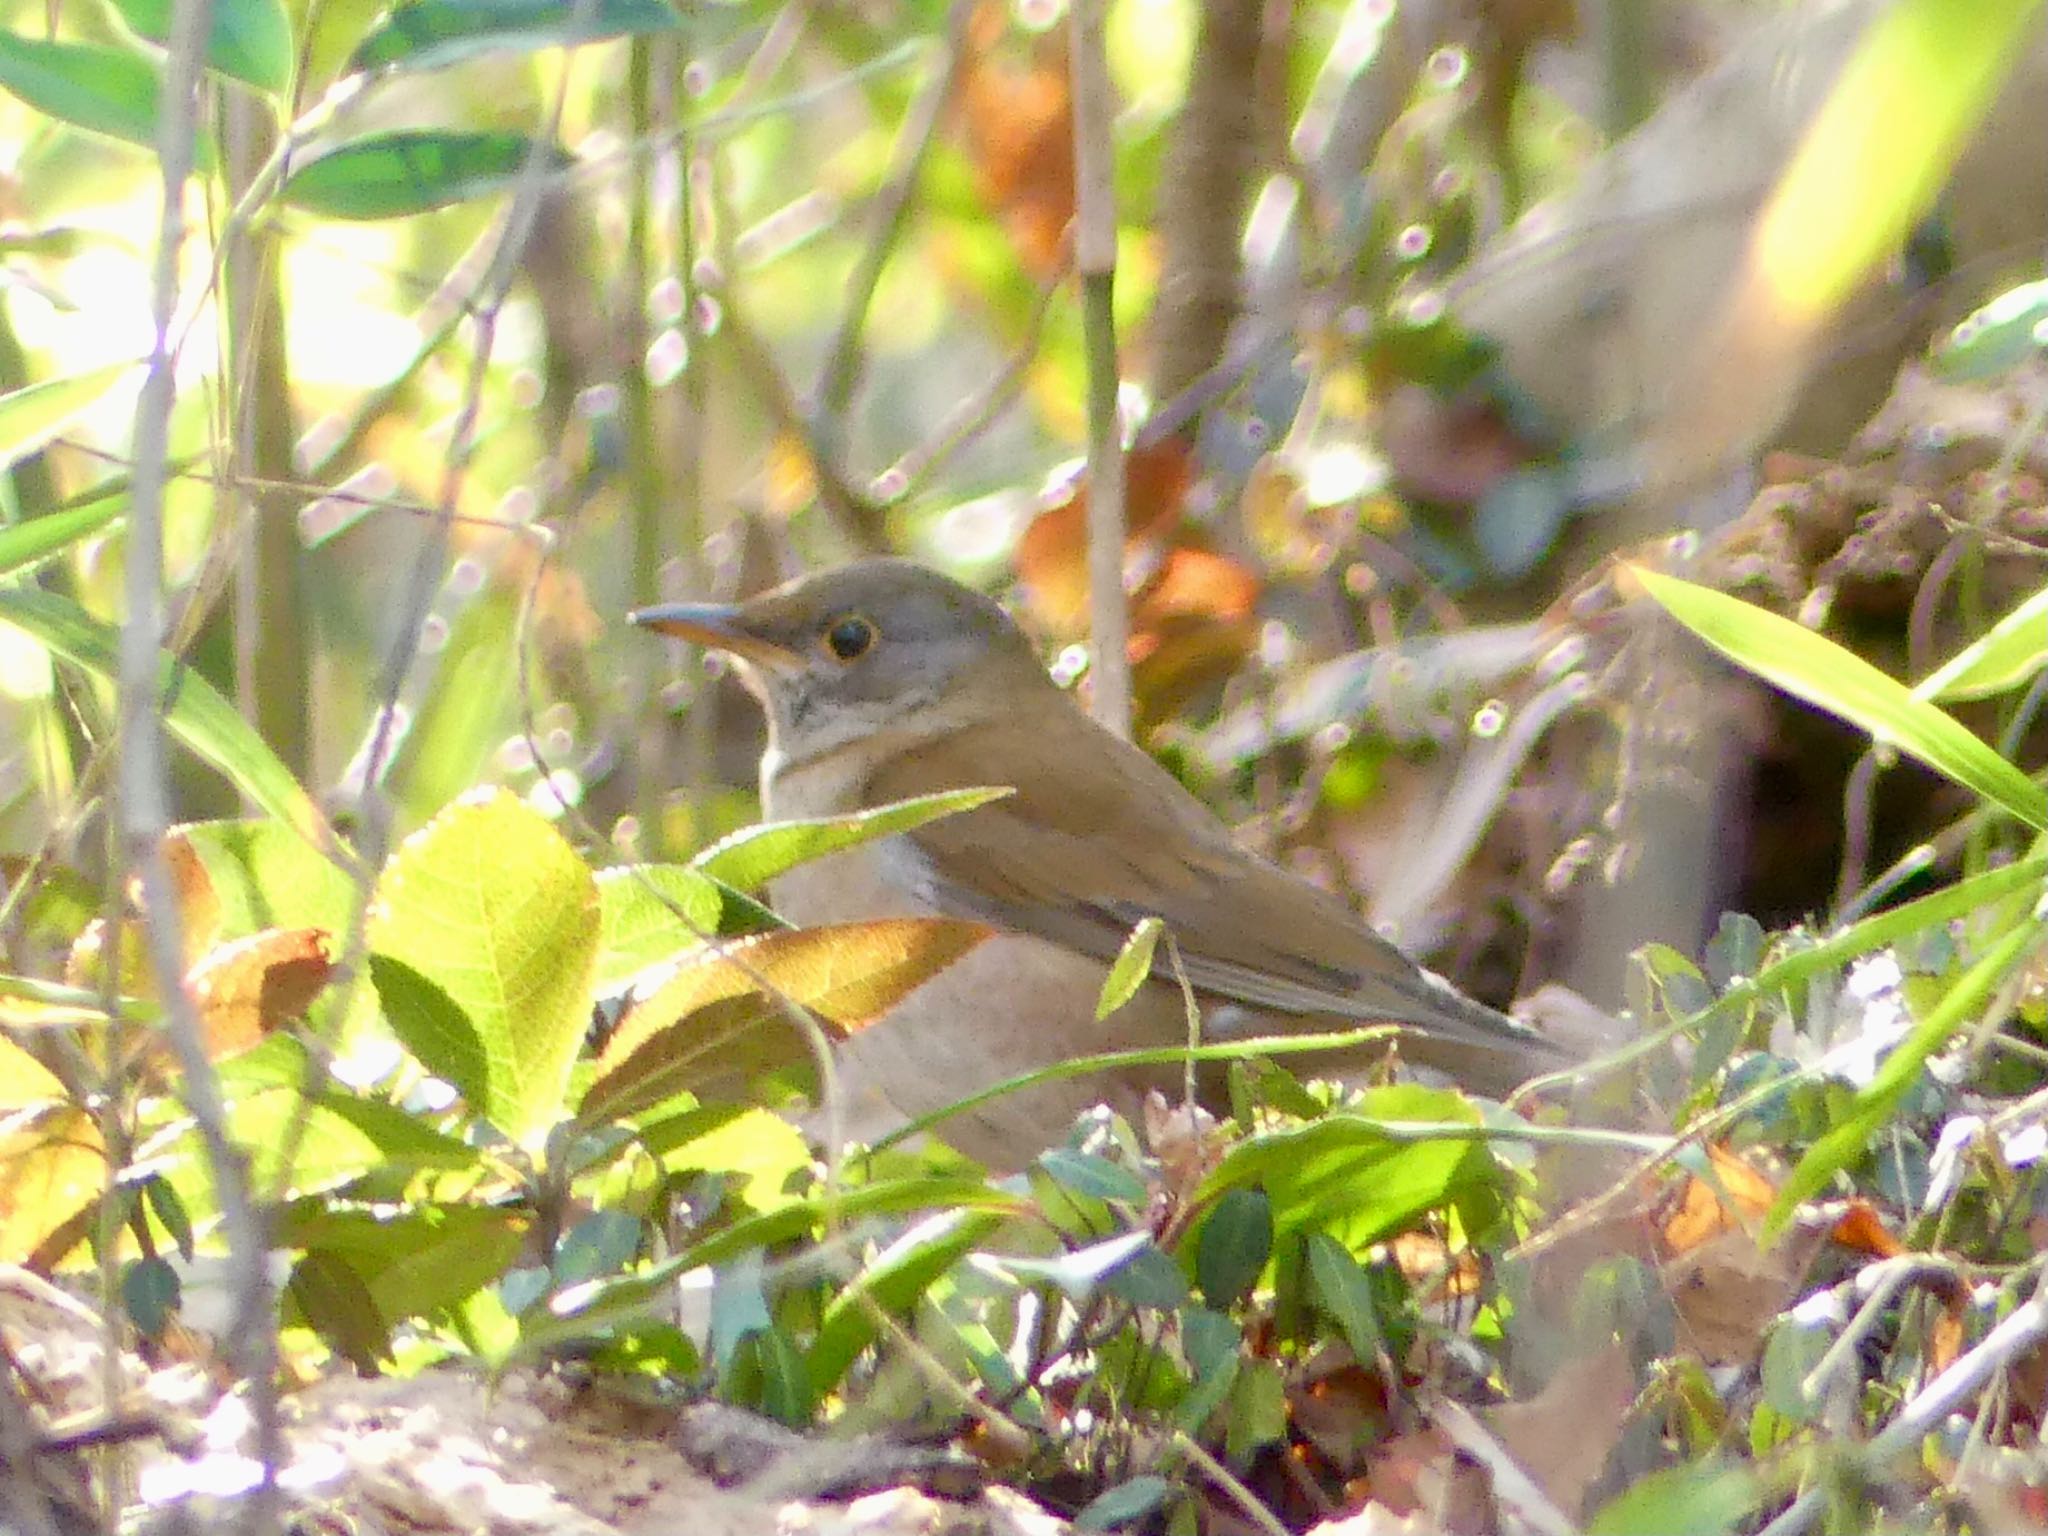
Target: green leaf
x,y
193,712
655,912
1995,338
251,41
32,415
1131,969
1344,1291
1086,1173
483,943
753,856
1132,1499
432,34
892,1282
2008,654
108,90
389,175
263,874
1845,1141
1346,1170
1704,1498
1811,667
30,543
1234,1245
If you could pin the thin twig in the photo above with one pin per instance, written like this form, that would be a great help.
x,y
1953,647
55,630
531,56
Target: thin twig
x,y
840,374
144,778
1095,260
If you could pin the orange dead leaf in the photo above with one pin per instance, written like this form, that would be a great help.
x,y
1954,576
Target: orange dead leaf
x,y
249,988
1019,126
1862,1230
1052,556
1703,1209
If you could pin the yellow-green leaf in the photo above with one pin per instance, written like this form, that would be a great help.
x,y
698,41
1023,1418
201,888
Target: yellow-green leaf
x,y
1132,967
483,946
1811,667
753,856
712,1028
2006,655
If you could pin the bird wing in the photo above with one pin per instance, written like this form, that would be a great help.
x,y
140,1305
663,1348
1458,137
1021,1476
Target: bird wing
x,y
1098,837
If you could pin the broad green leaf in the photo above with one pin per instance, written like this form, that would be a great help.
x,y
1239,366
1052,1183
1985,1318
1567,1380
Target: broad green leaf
x,y
655,912
1344,1292
1130,1500
2008,654
328,1295
1995,338
1346,1174
1088,1174
432,34
389,175
711,1029
893,1281
750,858
1703,1498
193,711
1234,1245
108,90
1131,969
262,874
483,943
31,416
1810,667
251,41
605,1304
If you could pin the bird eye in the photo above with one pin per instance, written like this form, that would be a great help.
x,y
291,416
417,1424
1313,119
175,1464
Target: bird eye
x,y
850,638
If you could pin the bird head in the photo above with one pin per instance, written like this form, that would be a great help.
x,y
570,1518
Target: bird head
x,y
874,647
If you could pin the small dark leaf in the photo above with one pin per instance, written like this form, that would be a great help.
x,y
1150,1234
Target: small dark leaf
x,y
150,1294
389,175
1126,1502
332,1299
1235,1243
1343,1290
432,34
170,1210
1087,1174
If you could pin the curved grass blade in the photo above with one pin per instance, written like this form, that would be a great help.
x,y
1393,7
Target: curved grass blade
x,y
1811,667
32,415
390,175
753,856
193,711
433,34
30,543
2006,655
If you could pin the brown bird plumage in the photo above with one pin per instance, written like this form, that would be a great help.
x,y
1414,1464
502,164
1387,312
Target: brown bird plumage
x,y
883,680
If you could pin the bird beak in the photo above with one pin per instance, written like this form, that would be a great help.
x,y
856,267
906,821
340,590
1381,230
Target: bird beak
x,y
719,626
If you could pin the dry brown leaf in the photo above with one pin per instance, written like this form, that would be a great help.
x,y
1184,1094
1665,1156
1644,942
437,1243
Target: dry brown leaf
x,y
1728,1290
1704,1207
1019,124
249,988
